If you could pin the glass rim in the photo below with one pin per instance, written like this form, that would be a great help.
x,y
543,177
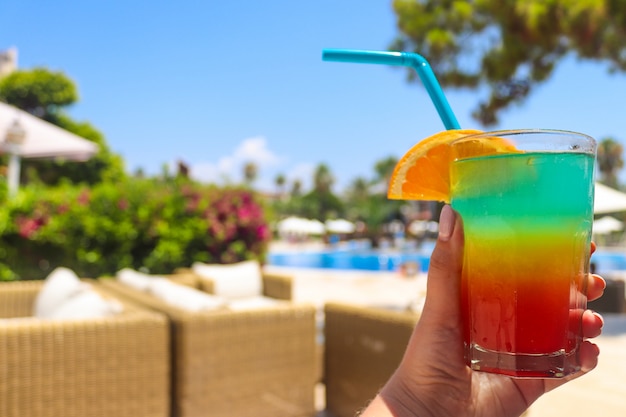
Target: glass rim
x,y
538,140
514,132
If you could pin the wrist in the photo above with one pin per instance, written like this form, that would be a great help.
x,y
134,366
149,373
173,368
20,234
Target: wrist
x,y
395,400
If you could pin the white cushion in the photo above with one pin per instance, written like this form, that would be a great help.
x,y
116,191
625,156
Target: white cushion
x,y
231,281
86,305
184,297
61,285
253,303
134,279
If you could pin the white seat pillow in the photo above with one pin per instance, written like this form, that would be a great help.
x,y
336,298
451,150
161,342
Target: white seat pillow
x,y
86,305
184,297
59,286
239,280
134,279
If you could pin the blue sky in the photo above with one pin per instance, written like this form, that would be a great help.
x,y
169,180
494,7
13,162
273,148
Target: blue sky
x,y
220,83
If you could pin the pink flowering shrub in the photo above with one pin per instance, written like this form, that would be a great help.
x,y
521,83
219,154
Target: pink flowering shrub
x,y
139,223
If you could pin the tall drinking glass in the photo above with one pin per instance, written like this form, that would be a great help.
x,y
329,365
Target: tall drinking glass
x,y
527,215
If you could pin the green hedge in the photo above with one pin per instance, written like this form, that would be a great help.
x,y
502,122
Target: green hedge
x,y
156,226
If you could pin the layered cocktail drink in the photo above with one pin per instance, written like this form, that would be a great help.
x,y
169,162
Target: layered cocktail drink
x,y
527,217
526,201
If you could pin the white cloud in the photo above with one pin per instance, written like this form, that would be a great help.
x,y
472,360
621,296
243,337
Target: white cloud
x,y
230,168
255,150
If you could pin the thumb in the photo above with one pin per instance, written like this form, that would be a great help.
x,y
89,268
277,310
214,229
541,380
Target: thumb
x,y
442,307
433,367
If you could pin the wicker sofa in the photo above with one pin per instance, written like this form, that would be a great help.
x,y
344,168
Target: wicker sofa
x,y
364,346
238,363
115,366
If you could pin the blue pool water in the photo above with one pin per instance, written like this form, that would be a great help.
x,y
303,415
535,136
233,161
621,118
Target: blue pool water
x,y
354,256
607,261
368,259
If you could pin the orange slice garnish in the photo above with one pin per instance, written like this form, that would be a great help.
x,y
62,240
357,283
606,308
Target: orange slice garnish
x,y
423,173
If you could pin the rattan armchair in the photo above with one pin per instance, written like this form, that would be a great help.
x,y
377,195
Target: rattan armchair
x,y
239,363
364,346
115,366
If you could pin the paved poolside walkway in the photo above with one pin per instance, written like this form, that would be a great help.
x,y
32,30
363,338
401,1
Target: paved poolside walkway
x,y
599,393
602,392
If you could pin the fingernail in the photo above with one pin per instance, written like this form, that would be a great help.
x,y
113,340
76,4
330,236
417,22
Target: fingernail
x,y
599,319
446,223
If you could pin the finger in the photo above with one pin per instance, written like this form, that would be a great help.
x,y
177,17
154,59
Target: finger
x,y
444,273
592,324
595,287
589,353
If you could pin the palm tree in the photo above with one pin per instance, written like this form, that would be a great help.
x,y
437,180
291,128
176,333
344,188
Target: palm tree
x,y
296,188
322,179
280,182
250,172
358,189
384,168
610,160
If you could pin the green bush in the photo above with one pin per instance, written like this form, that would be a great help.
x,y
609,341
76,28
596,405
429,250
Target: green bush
x,y
146,224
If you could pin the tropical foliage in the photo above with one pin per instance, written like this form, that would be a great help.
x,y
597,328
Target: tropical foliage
x,y
39,91
610,161
46,94
364,201
508,47
145,224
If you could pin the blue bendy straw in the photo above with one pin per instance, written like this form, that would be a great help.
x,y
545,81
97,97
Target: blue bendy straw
x,y
406,59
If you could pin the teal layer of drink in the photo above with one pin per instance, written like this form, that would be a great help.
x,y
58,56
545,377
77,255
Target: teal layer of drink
x,y
537,184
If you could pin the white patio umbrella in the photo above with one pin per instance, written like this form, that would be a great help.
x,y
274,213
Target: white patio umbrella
x,y
608,200
43,139
340,226
23,135
316,227
299,225
419,227
606,225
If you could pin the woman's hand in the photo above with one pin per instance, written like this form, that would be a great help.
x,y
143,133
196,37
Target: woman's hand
x,y
433,379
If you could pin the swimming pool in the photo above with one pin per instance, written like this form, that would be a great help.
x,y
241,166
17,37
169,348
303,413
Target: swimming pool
x,y
369,259
354,255
609,260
